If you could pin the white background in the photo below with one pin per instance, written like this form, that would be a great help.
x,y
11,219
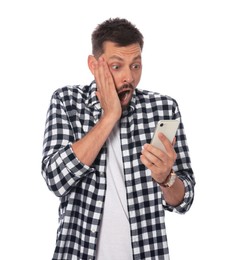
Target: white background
x,y
44,45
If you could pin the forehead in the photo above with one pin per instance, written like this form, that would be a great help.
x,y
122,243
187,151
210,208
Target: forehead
x,y
113,51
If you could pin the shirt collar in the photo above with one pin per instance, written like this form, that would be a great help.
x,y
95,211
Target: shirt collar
x,y
92,100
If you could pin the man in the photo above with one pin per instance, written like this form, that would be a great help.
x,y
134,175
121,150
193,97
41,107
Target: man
x,y
113,185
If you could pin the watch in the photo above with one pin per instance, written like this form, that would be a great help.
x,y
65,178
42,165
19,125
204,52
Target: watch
x,y
169,180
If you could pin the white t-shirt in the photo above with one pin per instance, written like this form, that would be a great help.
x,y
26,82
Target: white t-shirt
x,y
114,238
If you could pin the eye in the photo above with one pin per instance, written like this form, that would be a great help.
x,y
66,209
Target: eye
x,y
115,67
136,66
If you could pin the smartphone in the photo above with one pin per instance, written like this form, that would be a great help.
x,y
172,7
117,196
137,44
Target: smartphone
x,y
168,128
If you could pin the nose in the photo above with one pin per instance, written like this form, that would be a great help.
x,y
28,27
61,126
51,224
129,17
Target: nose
x,y
128,77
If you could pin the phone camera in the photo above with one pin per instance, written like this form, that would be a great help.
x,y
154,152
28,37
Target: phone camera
x,y
161,124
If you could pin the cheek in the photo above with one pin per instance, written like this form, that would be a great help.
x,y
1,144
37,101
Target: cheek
x,y
137,77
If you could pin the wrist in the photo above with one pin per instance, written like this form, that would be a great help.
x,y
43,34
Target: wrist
x,y
169,181
110,118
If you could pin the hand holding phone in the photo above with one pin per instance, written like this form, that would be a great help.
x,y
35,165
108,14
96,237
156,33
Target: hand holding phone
x,y
168,128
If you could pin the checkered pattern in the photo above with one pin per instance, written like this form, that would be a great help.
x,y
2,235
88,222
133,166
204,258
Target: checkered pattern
x,y
73,111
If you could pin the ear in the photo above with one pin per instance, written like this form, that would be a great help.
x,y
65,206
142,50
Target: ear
x,y
90,61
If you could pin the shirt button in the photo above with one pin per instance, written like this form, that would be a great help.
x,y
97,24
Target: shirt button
x,y
99,203
93,230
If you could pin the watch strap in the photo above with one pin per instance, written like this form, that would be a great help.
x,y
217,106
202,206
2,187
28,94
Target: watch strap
x,y
169,181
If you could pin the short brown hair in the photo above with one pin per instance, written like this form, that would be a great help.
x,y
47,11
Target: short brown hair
x,y
117,30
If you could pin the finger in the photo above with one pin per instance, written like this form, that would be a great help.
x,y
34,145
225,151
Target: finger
x,y
96,74
167,144
174,141
153,155
109,79
168,147
101,74
147,163
158,174
106,86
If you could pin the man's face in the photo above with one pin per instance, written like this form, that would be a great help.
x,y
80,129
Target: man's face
x,y
125,66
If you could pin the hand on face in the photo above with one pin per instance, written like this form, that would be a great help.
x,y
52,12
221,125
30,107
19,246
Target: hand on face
x,y
157,161
106,90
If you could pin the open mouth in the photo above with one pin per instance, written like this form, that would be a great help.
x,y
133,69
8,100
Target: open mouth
x,y
124,94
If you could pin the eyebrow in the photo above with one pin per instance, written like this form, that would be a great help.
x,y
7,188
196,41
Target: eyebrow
x,y
120,59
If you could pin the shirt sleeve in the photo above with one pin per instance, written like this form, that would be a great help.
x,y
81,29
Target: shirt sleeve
x,y
189,183
182,167
61,169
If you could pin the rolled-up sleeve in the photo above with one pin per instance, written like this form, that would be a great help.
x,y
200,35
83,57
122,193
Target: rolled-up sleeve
x,y
63,170
189,183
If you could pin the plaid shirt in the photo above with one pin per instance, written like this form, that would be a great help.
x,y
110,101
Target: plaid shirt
x,y
73,111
